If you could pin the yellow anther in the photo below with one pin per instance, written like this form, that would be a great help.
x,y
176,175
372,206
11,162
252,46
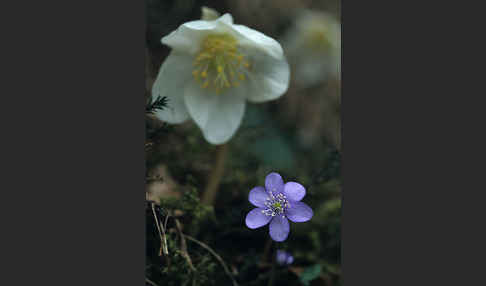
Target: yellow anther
x,y
219,63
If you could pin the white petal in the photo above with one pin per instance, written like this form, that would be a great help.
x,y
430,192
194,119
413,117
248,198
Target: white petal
x,y
226,18
188,36
309,71
269,74
218,116
252,38
173,75
268,79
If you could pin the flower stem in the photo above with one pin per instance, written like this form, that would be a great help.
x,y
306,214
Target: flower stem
x,y
274,262
266,251
216,175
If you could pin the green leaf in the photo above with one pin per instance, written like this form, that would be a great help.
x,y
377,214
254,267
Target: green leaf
x,y
310,273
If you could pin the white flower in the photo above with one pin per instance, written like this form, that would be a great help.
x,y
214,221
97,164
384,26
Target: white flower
x,y
314,47
214,67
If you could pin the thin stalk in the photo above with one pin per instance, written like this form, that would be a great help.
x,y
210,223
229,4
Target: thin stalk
x,y
150,282
183,250
274,262
163,239
202,244
266,251
216,175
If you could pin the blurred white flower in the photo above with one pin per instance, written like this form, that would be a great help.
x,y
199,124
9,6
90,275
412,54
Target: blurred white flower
x,y
313,46
214,67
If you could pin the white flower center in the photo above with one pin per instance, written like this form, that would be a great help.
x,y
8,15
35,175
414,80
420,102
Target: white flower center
x,y
219,65
276,205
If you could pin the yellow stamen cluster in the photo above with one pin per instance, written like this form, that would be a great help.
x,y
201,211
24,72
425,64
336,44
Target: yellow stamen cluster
x,y
219,65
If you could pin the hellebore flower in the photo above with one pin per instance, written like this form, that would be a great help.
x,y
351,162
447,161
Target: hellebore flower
x,y
313,45
214,67
276,203
284,258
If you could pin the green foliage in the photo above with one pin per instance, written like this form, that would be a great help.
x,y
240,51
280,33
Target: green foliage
x,y
310,273
195,213
158,104
174,269
274,148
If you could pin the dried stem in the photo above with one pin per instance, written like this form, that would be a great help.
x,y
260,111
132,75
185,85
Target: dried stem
x,y
163,238
150,282
202,244
155,178
184,245
216,175
166,219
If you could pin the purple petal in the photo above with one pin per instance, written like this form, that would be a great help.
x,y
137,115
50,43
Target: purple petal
x,y
279,228
258,196
282,257
255,218
274,183
294,191
299,212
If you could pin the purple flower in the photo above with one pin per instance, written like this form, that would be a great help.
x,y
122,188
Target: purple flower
x,y
276,203
284,258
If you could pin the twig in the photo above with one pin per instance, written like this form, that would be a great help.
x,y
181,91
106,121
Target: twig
x,y
156,178
163,238
216,175
150,282
202,244
166,219
184,245
148,145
